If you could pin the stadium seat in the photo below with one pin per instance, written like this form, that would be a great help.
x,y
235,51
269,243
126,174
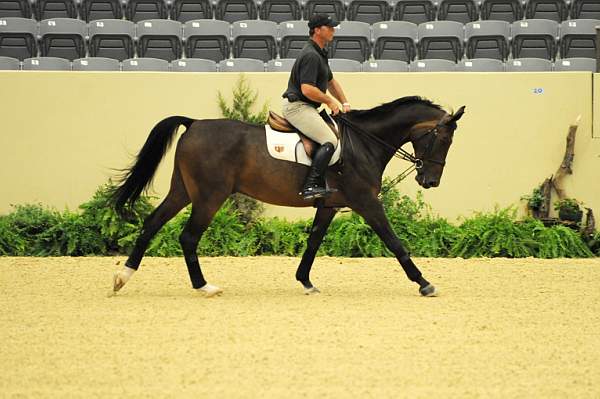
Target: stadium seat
x,y
145,64
528,65
433,65
578,38
462,11
344,65
235,10
441,40
18,38
555,10
47,9
369,11
585,9
96,64
293,36
394,40
280,65
140,10
254,39
111,38
575,64
207,39
159,38
534,38
481,65
92,10
241,65
415,11
46,64
334,8
501,10
385,66
190,10
280,10
9,64
63,38
193,65
351,41
487,39
15,9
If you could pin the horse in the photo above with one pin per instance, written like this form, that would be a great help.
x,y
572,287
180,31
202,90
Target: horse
x,y
215,158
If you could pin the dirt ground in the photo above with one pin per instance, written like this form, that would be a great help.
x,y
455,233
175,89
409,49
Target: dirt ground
x,y
500,328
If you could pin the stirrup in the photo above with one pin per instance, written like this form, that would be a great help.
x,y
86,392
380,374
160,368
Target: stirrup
x,y
310,193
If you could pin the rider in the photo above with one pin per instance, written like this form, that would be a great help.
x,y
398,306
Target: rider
x,y
307,90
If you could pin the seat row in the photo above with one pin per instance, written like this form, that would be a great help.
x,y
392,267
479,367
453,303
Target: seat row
x,y
285,65
264,40
369,11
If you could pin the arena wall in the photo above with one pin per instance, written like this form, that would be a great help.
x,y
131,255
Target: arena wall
x,y
63,133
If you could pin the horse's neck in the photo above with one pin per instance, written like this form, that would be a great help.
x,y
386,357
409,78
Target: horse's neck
x,y
395,129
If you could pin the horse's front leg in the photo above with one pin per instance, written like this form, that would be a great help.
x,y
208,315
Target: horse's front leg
x,y
320,225
373,213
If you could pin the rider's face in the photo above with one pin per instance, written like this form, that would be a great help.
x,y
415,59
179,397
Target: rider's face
x,y
325,33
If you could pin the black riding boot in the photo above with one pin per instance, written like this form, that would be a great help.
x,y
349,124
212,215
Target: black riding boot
x,y
314,185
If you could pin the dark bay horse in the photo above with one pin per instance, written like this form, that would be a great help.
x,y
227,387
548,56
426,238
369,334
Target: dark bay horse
x,y
218,157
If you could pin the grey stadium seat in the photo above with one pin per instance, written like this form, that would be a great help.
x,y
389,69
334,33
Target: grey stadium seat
x,y
351,41
92,10
18,38
15,8
369,11
534,38
190,10
385,66
588,9
46,64
193,65
280,65
280,10
145,64
555,10
394,40
441,40
578,38
140,10
235,10
241,65
528,65
9,64
433,65
415,11
487,39
334,8
207,39
47,9
96,64
63,37
254,39
462,11
293,36
111,38
575,64
501,10
159,38
344,65
481,65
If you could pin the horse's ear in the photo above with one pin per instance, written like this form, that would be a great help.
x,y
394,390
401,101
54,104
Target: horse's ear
x,y
458,114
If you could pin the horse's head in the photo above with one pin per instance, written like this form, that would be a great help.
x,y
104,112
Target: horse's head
x,y
431,143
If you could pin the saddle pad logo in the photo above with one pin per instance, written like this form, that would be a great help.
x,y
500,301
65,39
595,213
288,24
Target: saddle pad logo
x,y
279,148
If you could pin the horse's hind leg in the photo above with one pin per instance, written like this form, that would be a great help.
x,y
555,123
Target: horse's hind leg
x,y
175,200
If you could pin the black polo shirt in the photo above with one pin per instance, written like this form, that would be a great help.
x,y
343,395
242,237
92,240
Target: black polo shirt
x,y
311,67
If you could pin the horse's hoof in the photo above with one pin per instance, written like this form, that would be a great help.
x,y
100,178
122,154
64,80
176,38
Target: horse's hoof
x,y
311,291
210,290
118,282
429,290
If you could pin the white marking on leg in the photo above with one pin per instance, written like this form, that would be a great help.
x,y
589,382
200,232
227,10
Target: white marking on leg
x,y
210,290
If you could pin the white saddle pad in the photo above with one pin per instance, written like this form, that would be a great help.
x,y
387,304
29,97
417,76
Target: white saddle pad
x,y
289,147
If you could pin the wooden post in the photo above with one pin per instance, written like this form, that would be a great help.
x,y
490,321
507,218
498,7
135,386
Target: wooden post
x,y
565,167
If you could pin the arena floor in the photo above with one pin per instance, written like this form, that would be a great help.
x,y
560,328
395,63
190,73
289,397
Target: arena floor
x,y
500,328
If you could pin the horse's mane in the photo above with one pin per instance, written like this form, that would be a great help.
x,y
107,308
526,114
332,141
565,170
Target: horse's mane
x,y
384,109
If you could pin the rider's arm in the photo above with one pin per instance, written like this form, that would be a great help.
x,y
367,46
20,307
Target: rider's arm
x,y
316,95
336,90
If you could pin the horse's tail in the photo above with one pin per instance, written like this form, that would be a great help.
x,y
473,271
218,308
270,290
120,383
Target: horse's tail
x,y
139,176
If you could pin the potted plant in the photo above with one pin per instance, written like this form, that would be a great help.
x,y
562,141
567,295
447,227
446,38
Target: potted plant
x,y
535,201
569,210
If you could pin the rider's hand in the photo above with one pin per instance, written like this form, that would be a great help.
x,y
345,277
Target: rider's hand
x,y
335,109
346,107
